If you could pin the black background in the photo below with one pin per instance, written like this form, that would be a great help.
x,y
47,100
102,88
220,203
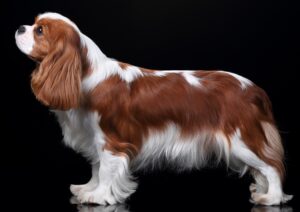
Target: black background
x,y
258,39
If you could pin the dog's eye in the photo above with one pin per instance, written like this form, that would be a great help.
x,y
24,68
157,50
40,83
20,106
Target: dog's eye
x,y
39,30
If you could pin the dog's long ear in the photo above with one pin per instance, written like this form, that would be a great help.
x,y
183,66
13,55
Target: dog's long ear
x,y
56,81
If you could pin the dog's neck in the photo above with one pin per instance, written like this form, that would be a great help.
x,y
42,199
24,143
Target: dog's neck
x,y
95,56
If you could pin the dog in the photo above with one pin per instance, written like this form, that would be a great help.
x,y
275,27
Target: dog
x,y
123,118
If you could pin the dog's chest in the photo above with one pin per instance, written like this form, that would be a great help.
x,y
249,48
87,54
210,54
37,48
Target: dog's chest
x,y
80,129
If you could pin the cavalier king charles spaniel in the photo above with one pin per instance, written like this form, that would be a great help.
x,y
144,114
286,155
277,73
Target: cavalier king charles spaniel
x,y
123,117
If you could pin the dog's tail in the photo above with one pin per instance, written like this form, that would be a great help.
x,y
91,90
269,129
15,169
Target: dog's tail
x,y
273,152
270,148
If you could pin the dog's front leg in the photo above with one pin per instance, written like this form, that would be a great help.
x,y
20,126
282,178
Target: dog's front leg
x,y
115,181
91,185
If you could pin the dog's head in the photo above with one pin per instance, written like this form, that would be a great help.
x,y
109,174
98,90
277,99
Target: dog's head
x,y
54,42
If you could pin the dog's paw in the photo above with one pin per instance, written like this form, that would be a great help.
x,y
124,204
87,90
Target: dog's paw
x,y
97,197
269,199
265,199
77,189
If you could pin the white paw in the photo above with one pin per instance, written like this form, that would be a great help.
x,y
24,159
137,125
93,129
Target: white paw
x,y
77,189
254,187
74,200
265,199
97,197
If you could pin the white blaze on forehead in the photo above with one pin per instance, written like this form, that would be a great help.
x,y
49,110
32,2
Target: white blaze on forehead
x,y
25,41
56,16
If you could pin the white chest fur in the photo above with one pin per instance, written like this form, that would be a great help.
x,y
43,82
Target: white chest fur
x,y
81,131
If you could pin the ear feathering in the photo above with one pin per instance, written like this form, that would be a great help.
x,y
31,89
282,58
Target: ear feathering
x,y
56,81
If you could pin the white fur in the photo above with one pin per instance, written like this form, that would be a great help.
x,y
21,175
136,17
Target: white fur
x,y
243,81
82,132
91,185
160,73
166,72
112,181
194,151
222,145
25,41
107,69
261,183
190,78
116,182
274,195
94,54
130,73
186,74
184,152
102,67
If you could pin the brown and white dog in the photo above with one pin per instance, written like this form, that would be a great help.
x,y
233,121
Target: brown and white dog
x,y
123,117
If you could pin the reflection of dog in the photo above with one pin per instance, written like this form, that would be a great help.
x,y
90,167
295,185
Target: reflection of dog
x,y
114,113
110,208
89,208
271,209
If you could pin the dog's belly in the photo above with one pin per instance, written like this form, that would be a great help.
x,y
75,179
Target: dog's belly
x,y
167,146
182,151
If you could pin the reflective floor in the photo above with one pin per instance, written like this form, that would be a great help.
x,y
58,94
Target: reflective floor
x,y
124,208
156,193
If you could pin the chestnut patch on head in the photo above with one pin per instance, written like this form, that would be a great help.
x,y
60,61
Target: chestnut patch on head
x,y
56,80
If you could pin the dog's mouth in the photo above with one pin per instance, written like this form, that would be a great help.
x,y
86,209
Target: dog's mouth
x,y
35,59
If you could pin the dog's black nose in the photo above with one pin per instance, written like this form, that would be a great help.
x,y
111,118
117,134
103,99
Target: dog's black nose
x,y
21,29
